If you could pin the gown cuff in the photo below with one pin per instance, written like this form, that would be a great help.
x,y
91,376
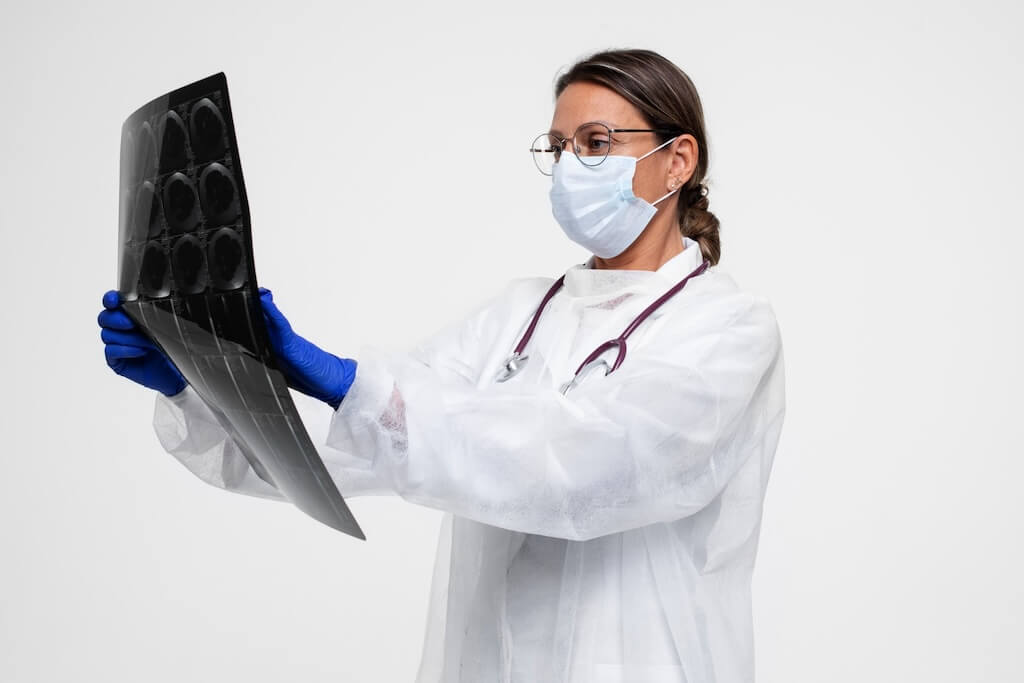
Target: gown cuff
x,y
370,402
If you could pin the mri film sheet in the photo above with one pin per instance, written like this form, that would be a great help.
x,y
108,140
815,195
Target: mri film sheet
x,y
186,274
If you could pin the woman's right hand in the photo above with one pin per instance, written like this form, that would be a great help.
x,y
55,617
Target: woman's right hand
x,y
131,354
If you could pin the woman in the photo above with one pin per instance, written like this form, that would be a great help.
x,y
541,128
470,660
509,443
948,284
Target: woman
x,y
599,529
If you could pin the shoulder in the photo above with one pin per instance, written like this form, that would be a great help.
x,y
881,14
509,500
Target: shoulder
x,y
751,322
714,304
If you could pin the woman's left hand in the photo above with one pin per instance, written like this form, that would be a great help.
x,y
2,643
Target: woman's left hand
x,y
307,367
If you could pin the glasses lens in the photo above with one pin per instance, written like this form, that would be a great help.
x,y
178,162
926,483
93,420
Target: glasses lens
x,y
592,140
545,150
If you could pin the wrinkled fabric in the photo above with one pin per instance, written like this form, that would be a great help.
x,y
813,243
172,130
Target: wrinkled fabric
x,y
607,535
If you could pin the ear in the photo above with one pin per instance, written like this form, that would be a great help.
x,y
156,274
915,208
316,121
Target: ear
x,y
684,157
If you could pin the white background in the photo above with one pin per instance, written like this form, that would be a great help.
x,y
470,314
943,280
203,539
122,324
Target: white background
x,y
865,164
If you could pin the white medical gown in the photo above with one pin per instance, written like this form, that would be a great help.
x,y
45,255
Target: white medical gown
x,y
603,536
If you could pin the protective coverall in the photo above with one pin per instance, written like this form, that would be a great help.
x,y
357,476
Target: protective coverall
x,y
607,535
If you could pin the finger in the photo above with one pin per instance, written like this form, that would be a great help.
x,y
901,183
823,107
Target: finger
x,y
273,314
112,299
114,352
119,338
115,320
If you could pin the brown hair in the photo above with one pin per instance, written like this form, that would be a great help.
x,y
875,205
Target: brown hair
x,y
668,99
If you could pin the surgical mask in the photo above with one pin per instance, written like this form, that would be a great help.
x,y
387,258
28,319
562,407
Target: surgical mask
x,y
595,205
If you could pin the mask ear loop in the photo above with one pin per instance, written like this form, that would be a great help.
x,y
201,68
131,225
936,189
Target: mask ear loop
x,y
652,152
664,195
644,156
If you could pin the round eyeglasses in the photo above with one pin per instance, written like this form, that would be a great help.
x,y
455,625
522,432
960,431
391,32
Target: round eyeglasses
x,y
591,143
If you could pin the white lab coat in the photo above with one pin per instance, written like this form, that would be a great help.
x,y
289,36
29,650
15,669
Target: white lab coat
x,y
607,535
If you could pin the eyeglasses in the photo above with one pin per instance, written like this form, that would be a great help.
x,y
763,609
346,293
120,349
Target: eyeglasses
x,y
591,143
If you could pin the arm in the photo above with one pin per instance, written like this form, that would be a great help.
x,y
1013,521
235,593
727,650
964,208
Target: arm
x,y
188,430
657,440
184,424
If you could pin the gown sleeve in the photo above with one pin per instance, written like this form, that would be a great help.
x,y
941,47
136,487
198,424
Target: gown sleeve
x,y
188,430
656,440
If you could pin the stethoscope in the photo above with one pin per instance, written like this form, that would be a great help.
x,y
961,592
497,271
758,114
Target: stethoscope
x,y
517,361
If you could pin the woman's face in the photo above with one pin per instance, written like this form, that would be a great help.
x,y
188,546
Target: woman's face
x,y
582,102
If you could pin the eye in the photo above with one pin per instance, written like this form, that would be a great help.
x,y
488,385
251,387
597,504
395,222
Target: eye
x,y
594,143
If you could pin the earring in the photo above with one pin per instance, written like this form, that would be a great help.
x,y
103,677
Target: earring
x,y
672,185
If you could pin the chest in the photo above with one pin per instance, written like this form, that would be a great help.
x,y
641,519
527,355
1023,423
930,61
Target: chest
x,y
568,330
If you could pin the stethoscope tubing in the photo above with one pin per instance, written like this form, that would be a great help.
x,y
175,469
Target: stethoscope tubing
x,y
517,360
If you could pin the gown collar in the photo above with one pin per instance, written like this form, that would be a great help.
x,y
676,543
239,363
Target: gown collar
x,y
583,280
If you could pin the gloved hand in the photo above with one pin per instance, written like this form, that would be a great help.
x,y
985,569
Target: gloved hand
x,y
131,354
307,367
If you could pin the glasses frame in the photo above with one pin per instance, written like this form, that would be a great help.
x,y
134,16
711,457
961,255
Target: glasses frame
x,y
561,142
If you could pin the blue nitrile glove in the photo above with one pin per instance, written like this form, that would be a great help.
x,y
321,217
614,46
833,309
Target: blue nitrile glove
x,y
306,366
131,354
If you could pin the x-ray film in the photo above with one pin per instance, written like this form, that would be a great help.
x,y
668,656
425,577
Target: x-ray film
x,y
186,274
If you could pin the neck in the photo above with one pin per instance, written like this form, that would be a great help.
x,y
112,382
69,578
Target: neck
x,y
645,254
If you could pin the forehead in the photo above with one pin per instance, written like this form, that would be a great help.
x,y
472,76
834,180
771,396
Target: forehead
x,y
583,101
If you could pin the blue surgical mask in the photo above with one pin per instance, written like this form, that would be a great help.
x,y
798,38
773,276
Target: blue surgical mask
x,y
595,205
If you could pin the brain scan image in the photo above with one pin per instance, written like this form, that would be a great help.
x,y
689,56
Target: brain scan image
x,y
188,280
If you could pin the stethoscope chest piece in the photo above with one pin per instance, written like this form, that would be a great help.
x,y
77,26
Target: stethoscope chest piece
x,y
513,364
595,359
583,372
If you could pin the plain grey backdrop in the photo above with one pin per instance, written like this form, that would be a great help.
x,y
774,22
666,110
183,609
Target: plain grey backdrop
x,y
866,168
